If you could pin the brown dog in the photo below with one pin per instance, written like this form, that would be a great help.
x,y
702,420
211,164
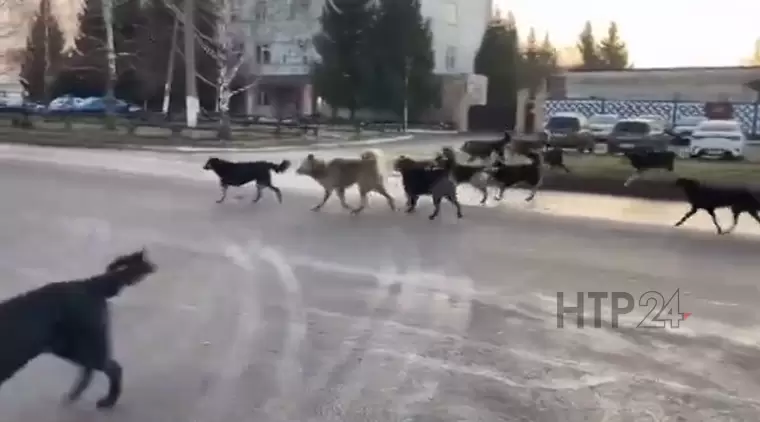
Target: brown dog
x,y
339,174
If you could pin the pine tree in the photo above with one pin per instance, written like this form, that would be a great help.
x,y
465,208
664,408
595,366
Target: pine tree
x,y
403,59
342,44
613,52
498,59
587,47
44,57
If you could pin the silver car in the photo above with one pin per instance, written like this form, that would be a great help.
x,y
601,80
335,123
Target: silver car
x,y
628,134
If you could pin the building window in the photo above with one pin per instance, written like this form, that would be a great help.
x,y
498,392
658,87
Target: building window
x,y
451,58
298,7
451,13
261,11
263,54
262,98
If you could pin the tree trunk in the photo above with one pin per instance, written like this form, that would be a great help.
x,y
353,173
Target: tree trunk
x,y
192,105
223,104
170,70
110,100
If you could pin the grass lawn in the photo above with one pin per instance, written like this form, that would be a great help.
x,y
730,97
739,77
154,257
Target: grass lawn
x,y
615,167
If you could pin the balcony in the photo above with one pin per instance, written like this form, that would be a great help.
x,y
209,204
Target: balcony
x,y
284,69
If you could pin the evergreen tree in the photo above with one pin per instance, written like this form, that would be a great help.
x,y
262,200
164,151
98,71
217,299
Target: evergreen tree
x,y
44,58
403,59
539,62
587,47
612,50
498,59
342,45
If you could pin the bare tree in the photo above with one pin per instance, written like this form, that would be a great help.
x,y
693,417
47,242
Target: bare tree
x,y
241,26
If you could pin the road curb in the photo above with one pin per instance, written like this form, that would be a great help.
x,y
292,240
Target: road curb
x,y
273,148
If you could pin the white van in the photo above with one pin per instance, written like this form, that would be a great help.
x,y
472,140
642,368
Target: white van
x,y
718,138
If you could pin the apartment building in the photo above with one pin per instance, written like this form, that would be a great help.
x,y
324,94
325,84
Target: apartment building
x,y
281,34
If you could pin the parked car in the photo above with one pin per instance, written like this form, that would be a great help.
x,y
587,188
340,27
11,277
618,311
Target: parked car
x,y
659,120
628,134
569,130
601,125
722,138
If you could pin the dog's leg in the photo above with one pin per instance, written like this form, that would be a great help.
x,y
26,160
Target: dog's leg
x,y
437,207
328,192
455,202
114,373
411,203
277,192
715,220
224,194
686,216
736,212
342,196
631,179
84,380
535,188
391,202
258,194
363,193
564,167
500,196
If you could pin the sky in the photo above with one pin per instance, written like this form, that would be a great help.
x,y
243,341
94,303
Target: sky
x,y
659,33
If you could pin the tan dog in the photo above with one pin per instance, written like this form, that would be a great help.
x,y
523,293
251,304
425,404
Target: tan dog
x,y
339,174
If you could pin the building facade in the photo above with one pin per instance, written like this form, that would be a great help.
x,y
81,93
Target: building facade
x,y
281,34
703,84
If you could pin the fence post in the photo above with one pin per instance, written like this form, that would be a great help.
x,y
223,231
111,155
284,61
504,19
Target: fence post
x,y
755,117
604,106
674,114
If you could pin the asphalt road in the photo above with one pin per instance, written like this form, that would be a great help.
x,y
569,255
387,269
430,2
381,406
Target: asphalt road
x,y
270,312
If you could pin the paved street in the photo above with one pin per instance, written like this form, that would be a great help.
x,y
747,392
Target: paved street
x,y
270,312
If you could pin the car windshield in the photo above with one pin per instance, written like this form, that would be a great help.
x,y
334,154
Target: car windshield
x,y
719,127
602,120
632,127
560,122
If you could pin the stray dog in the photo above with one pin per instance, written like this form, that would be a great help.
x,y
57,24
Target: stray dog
x,y
239,174
426,178
504,176
475,176
710,198
339,174
485,149
643,160
70,319
555,158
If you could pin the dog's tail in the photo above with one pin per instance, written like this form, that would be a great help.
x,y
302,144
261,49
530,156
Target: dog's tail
x,y
282,167
375,155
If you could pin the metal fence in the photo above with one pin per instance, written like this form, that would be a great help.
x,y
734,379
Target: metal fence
x,y
748,114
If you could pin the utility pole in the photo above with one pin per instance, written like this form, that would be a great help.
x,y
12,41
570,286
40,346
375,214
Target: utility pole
x,y
407,70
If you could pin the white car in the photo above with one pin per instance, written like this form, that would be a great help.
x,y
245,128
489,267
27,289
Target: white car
x,y
601,124
721,138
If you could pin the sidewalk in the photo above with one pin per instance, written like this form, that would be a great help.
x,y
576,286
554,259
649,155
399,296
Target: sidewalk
x,y
116,141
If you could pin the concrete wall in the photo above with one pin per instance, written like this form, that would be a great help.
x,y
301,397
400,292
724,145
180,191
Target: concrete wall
x,y
698,84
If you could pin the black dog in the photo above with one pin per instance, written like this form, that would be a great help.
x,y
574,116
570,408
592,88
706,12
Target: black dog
x,y
642,160
70,319
239,174
555,158
485,149
504,176
427,178
475,176
710,198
